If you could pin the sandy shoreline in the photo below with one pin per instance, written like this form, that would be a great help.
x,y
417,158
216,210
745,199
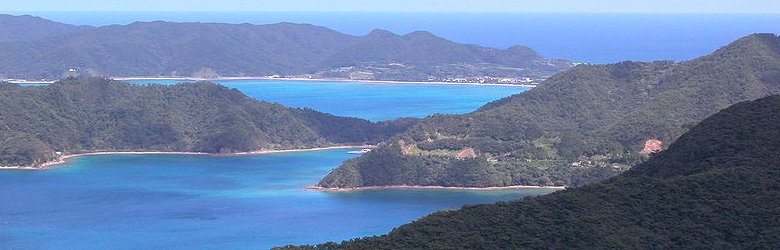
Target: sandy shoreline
x,y
64,159
318,188
315,80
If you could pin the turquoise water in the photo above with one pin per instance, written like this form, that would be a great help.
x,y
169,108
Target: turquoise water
x,y
373,101
204,202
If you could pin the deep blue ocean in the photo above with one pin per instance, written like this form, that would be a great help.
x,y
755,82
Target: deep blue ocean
x,y
591,38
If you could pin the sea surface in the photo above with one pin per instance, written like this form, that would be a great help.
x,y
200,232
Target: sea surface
x,y
204,202
585,38
372,101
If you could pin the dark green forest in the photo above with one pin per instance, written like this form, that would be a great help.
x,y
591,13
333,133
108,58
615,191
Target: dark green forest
x,y
96,114
585,124
716,187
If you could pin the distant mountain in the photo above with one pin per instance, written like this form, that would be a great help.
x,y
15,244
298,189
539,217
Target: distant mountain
x,y
95,114
716,187
212,50
27,28
420,55
585,124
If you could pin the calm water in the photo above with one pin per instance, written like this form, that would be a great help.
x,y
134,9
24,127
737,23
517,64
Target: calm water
x,y
373,101
592,38
181,201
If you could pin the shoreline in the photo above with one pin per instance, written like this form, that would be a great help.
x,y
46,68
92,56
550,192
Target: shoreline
x,y
64,159
131,78
16,81
324,189
318,80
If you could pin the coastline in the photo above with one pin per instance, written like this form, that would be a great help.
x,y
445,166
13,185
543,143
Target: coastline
x,y
324,189
64,159
17,81
317,80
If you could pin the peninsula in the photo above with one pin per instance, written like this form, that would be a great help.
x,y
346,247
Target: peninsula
x,y
586,124
718,180
84,115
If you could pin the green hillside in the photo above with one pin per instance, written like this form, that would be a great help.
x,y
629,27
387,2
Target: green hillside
x,y
28,28
585,124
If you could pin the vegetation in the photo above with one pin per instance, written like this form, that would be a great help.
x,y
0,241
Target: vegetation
x,y
27,28
211,50
96,114
582,125
716,187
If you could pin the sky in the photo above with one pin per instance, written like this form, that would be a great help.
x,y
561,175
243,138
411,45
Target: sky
x,y
512,6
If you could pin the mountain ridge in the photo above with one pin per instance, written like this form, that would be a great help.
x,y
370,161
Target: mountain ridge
x,y
162,48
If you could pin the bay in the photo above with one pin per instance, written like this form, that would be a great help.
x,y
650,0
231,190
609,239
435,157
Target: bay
x,y
205,202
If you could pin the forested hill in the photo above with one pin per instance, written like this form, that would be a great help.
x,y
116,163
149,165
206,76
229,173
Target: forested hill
x,y
585,124
96,114
716,187
27,28
211,49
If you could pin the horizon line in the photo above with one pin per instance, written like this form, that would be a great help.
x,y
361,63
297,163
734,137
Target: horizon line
x,y
21,12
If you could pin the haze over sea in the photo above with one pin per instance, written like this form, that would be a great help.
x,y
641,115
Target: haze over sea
x,y
588,38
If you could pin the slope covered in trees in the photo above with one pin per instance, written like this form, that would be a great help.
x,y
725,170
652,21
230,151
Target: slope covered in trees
x,y
716,187
212,49
588,123
95,114
27,28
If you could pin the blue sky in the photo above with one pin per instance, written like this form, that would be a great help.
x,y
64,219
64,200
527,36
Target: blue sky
x,y
518,6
